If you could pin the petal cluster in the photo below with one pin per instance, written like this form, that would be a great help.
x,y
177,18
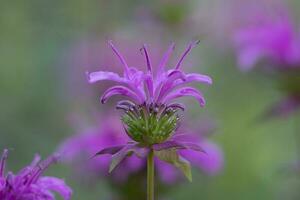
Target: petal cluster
x,y
29,184
158,86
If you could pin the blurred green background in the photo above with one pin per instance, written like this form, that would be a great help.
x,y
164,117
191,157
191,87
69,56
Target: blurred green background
x,y
35,39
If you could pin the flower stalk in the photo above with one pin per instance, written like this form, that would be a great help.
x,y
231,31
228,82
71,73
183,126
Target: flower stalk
x,y
150,175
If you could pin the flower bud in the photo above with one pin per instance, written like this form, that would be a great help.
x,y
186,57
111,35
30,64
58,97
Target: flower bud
x,y
150,123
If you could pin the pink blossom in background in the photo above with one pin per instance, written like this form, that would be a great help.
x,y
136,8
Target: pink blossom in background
x,y
273,41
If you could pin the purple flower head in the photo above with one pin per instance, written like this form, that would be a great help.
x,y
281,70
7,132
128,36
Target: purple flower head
x,y
29,184
150,117
273,41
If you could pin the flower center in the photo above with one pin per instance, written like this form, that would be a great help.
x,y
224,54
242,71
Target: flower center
x,y
150,123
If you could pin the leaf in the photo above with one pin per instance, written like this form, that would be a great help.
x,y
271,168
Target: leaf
x,y
177,145
127,151
117,158
171,156
110,150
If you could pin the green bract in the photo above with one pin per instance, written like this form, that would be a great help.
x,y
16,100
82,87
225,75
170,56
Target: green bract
x,y
150,124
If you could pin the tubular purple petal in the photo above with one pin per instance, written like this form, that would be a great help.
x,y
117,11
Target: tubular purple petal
x,y
36,160
102,75
149,86
165,58
173,75
120,90
149,66
188,49
56,185
198,78
121,58
41,167
185,91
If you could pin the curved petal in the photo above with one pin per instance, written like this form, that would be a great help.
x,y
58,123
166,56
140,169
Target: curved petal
x,y
186,91
172,76
103,75
56,185
119,90
121,58
195,77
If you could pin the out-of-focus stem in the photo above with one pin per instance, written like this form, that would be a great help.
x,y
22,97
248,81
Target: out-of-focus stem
x,y
150,175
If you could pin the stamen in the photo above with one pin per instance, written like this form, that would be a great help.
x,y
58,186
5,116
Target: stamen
x,y
189,48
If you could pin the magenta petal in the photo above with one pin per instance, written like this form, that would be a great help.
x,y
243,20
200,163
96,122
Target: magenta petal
x,y
102,75
168,83
119,90
149,66
121,58
186,91
175,74
198,78
56,185
165,59
149,85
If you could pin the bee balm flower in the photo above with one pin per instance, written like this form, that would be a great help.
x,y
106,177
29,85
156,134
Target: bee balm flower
x,y
151,116
151,94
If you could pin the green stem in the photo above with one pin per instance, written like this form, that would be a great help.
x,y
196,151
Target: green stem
x,y
150,175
